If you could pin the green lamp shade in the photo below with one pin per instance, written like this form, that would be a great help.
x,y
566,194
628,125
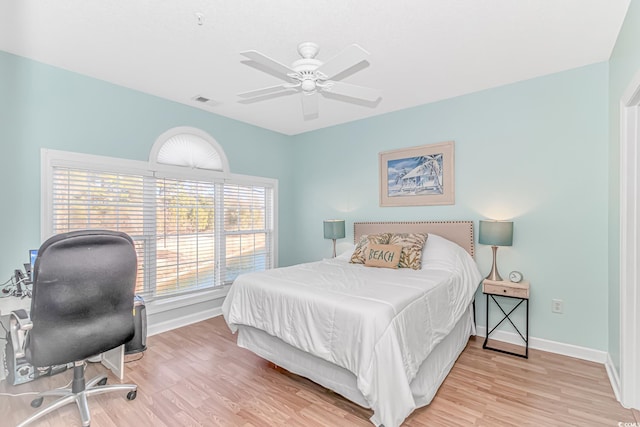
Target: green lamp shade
x,y
334,229
496,233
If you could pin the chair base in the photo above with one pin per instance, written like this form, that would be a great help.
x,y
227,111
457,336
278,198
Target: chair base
x,y
80,398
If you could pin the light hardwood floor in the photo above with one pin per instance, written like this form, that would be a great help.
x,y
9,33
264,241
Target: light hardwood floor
x,y
197,376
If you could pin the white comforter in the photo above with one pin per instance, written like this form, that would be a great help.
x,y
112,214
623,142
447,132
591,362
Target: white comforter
x,y
378,323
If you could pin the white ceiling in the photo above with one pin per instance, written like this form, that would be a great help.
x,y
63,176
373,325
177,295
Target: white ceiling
x,y
421,50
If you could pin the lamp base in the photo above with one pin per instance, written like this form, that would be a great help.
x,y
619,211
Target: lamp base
x,y
493,274
334,248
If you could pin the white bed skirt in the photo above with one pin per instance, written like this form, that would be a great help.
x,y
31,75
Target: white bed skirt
x,y
430,376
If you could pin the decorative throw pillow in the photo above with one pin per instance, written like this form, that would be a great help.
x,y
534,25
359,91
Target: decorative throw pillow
x,y
387,256
412,244
359,252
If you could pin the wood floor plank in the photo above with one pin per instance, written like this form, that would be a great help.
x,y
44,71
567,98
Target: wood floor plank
x,y
198,376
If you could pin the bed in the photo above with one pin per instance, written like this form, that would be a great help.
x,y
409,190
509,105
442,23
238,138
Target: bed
x,y
382,338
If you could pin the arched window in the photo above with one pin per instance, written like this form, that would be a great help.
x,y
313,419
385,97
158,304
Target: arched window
x,y
196,225
188,147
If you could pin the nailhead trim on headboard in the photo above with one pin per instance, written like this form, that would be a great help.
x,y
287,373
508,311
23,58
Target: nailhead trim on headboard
x,y
460,232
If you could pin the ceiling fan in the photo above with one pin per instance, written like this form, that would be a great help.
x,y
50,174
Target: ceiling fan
x,y
310,76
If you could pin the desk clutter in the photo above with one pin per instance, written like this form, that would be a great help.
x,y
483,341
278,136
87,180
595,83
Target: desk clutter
x,y
19,284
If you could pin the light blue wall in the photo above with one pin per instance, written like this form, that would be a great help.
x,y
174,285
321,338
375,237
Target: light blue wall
x,y
44,106
534,151
624,64
530,151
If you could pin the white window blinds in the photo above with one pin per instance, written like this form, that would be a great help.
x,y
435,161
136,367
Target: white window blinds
x,y
83,199
247,229
185,231
189,234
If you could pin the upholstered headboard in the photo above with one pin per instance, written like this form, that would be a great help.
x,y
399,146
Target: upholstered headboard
x,y
460,232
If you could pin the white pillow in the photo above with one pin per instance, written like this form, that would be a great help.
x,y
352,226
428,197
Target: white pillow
x,y
347,252
439,253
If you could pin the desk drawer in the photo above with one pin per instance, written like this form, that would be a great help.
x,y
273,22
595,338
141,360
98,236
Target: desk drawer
x,y
509,291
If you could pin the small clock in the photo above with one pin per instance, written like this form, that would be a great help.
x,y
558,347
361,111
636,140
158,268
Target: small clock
x,y
515,276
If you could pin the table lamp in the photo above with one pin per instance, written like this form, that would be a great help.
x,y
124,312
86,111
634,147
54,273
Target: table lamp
x,y
495,233
334,229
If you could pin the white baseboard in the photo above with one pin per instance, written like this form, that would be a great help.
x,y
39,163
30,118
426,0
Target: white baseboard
x,y
570,350
179,322
614,379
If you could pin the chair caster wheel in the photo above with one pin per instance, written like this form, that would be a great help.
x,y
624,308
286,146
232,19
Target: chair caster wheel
x,y
35,403
132,395
102,381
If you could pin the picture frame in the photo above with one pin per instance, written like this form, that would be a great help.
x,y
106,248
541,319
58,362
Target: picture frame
x,y
418,176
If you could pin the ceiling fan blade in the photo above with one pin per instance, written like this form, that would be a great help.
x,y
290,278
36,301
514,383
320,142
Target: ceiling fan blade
x,y
256,56
310,103
264,91
350,56
353,91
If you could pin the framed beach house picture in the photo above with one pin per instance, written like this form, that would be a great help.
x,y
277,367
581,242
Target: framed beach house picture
x,y
418,176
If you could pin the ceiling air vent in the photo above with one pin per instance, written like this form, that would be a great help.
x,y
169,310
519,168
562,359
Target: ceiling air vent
x,y
204,100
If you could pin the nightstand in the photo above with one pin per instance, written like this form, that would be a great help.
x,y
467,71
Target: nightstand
x,y
502,289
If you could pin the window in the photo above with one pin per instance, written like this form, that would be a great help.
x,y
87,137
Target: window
x,y
193,230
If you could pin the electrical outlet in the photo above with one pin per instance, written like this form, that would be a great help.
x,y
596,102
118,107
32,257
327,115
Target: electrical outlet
x,y
556,306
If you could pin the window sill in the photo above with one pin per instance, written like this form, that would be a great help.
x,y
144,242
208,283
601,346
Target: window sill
x,y
173,303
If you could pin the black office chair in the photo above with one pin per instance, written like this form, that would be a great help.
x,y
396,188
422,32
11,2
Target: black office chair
x,y
82,305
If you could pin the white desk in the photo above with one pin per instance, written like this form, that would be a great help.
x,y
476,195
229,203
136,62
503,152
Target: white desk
x,y
112,359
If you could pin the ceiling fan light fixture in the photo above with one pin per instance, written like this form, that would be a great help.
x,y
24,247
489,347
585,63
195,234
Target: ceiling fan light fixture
x,y
308,85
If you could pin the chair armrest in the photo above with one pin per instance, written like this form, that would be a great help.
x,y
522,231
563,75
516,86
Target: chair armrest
x,y
19,325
